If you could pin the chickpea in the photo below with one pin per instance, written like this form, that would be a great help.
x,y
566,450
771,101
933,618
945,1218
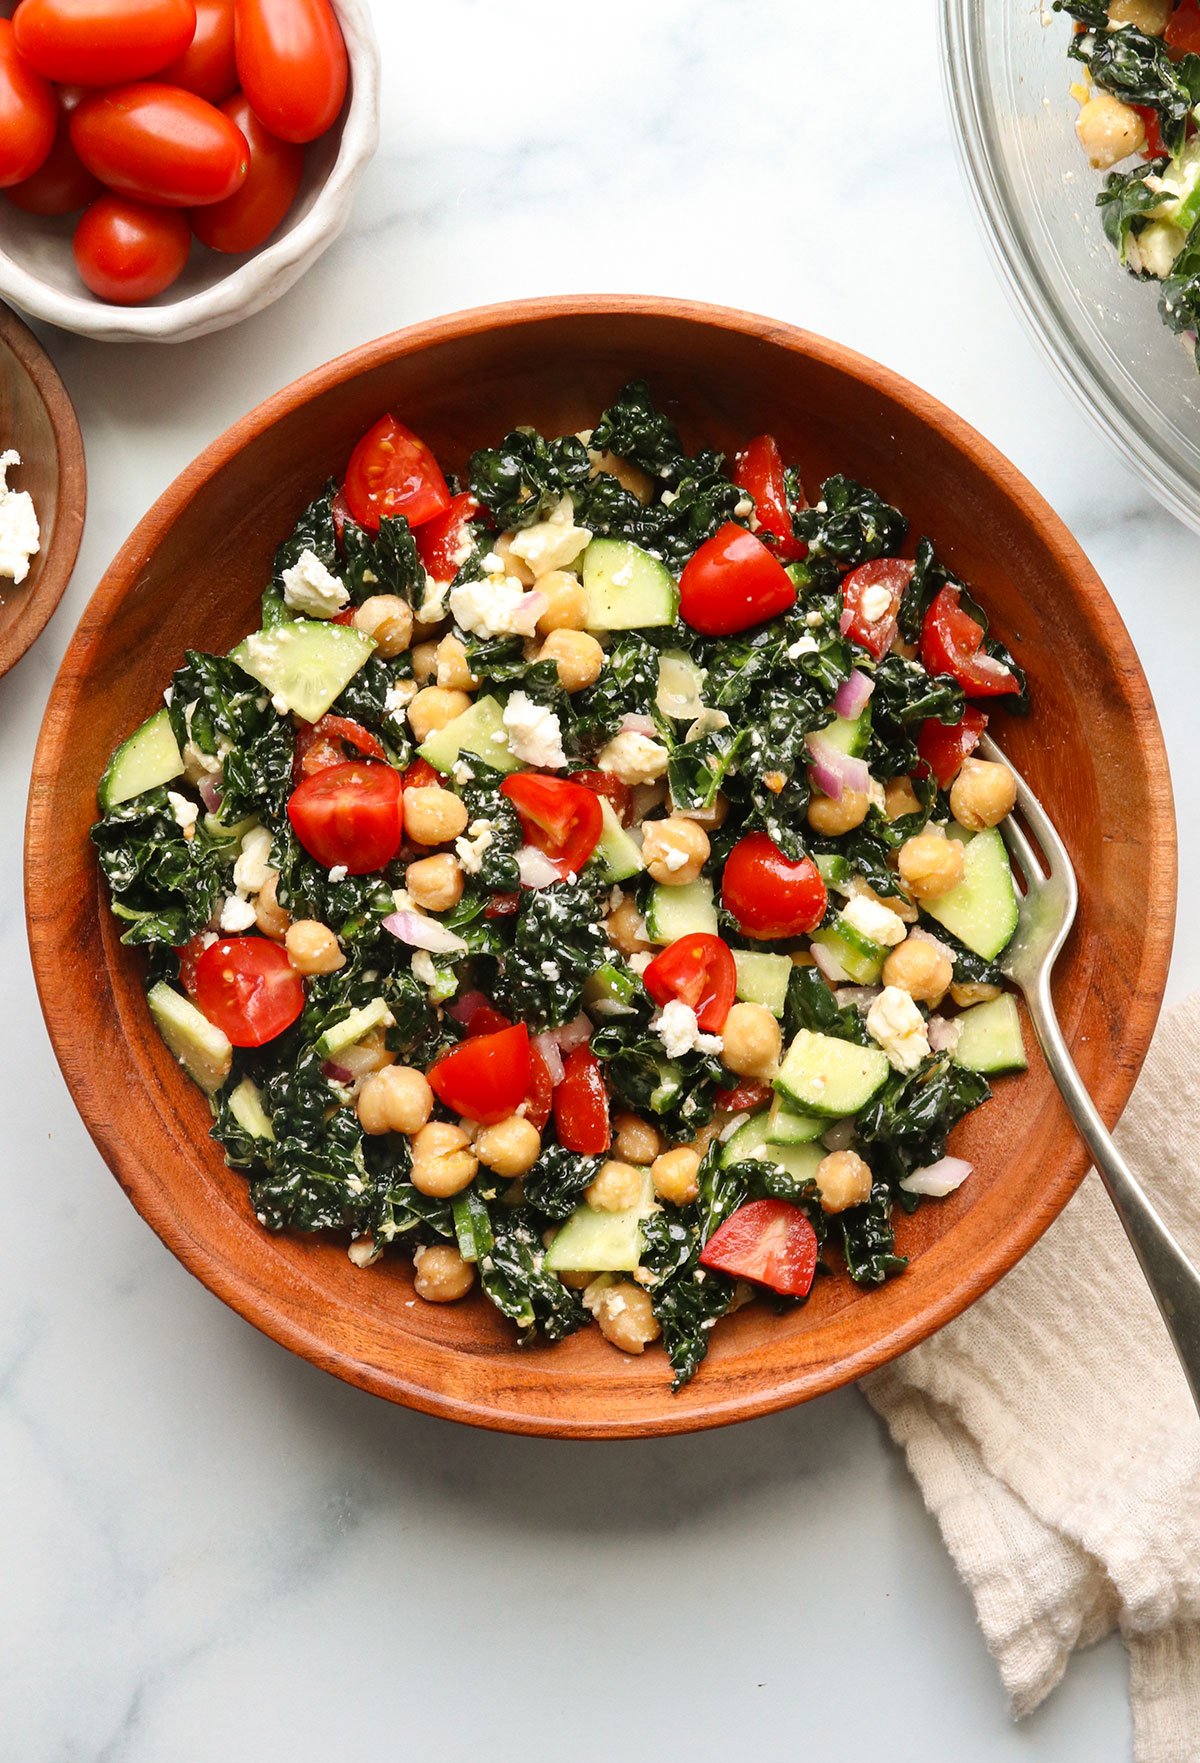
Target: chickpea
x,y
966,995
844,1180
433,816
674,1175
388,619
627,929
921,968
566,603
982,794
635,1140
270,917
617,1187
753,1041
625,1316
829,818
930,865
510,1148
1108,130
424,662
434,707
675,850
1151,16
630,477
396,1099
575,1282
899,798
452,668
577,656
442,1276
703,1138
435,883
513,565
443,1162
709,818
370,1054
313,948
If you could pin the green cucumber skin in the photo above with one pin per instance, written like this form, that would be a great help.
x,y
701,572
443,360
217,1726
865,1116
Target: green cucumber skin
x,y
672,913
828,1077
751,1144
146,760
647,600
982,911
991,1040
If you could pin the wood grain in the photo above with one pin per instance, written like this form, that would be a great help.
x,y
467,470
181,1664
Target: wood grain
x,y
191,574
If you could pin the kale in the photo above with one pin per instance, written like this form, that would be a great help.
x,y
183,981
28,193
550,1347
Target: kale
x,y
688,1307
512,1273
543,989
165,886
680,1093
386,562
1125,202
970,969
316,1180
498,873
868,1240
398,1211
1135,67
556,1182
907,1122
849,525
496,659
671,530
315,532
906,696
810,1004
243,1150
628,686
688,1299
633,429
927,578
227,716
522,479
364,700
697,769
1179,296
353,907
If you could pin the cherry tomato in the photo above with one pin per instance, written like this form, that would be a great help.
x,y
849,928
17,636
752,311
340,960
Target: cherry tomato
x,y
485,1019
126,251
732,582
1182,35
768,1241
322,744
758,469
292,64
62,184
560,818
350,816
1155,145
420,775
189,957
392,472
951,643
246,220
540,1100
868,621
341,514
160,144
486,1078
581,1105
768,894
606,783
944,748
99,43
28,113
440,540
699,971
248,989
207,66
746,1097
502,906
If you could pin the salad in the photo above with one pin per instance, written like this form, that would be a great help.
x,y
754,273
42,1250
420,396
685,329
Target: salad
x,y
583,881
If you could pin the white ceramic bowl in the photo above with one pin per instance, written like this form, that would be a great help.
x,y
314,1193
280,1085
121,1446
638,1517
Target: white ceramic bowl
x,y
37,269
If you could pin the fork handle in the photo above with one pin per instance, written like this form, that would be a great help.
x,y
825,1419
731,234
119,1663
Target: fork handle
x,y
1172,1279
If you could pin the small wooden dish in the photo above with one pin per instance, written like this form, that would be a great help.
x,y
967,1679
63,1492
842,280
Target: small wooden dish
x,y
191,575
38,419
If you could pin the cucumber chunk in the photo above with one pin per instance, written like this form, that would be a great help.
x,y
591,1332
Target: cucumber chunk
x,y
200,1047
849,735
762,978
479,730
592,1241
982,910
618,855
786,1128
149,758
611,991
823,1075
681,912
305,664
991,1038
861,957
626,588
834,870
353,1028
751,1144
245,1104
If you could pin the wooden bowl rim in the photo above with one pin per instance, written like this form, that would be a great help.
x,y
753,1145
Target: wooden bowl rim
x,y
1158,853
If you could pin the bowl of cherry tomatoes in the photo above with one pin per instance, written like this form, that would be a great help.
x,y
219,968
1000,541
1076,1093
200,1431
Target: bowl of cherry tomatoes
x,y
168,167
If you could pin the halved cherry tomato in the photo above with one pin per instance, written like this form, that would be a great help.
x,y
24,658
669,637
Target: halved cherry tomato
x,y
393,472
485,1078
249,989
160,144
943,748
126,251
189,955
350,816
868,621
732,582
560,818
951,643
606,783
486,1020
758,469
1182,35
207,66
99,43
341,513
768,894
768,1241
502,906
28,113
581,1105
292,64
1155,145
540,1099
322,744
246,220
440,540
62,183
699,971
746,1097
420,775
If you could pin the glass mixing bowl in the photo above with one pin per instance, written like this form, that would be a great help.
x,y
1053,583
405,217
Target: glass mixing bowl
x,y
1007,77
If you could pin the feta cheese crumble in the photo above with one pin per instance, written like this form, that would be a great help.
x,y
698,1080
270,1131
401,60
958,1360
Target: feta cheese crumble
x,y
804,645
20,535
497,607
252,870
236,915
895,1022
876,922
185,813
875,603
677,1029
634,758
551,543
399,696
338,873
310,588
534,733
473,846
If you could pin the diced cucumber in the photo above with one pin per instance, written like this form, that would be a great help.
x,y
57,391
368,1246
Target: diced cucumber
x,y
479,730
762,978
799,574
823,1075
149,757
200,1047
849,735
245,1104
835,871
626,588
990,1039
680,686
618,855
592,1241
354,1028
680,912
1180,190
786,1128
611,992
862,957
982,911
305,664
228,837
751,1144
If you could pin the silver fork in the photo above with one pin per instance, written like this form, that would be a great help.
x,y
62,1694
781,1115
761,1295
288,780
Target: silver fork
x,y
1047,913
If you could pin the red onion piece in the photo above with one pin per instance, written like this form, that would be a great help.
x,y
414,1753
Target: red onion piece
x,y
535,868
846,620
834,772
337,1074
573,1033
854,694
938,1179
464,1008
424,933
210,794
943,1033
547,1045
829,964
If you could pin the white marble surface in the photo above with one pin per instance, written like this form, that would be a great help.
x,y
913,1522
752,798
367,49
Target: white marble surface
x,y
211,1550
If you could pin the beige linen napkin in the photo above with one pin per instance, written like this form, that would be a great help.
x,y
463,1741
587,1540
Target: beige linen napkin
x,y
1054,1440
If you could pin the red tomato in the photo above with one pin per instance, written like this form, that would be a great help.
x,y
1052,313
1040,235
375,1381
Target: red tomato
x,y
189,957
28,113
322,744
699,971
768,894
485,1019
126,251
951,643
160,144
341,514
502,906
420,774
99,42
758,469
581,1105
440,539
1154,141
249,989
1182,34
768,1241
207,66
540,1099
746,1097
392,472
62,184
486,1078
350,816
246,220
292,64
559,817
944,748
606,783
860,591
732,582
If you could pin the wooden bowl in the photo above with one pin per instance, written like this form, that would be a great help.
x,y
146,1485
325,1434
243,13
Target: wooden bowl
x,y
38,419
191,575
